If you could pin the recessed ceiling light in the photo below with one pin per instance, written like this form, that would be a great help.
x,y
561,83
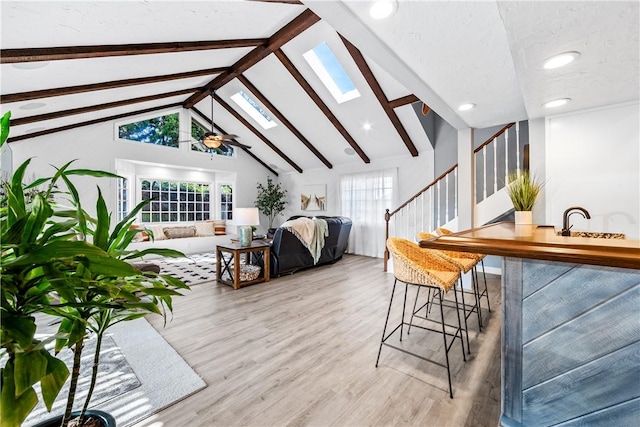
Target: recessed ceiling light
x,y
381,9
350,151
32,105
366,126
556,103
30,65
465,107
560,60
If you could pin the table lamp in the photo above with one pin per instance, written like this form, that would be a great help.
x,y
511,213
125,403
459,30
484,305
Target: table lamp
x,y
244,218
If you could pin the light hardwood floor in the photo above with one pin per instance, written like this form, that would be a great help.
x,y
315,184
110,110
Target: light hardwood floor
x,y
301,349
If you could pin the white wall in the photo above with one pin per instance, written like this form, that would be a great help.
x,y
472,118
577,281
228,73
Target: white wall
x,y
592,160
96,147
414,173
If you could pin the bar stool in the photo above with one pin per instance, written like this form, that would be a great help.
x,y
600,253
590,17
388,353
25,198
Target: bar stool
x,y
465,262
415,266
444,232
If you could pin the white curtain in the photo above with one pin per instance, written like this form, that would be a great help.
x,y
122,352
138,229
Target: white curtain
x,y
364,198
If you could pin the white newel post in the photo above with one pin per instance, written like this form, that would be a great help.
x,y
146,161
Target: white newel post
x,y
466,182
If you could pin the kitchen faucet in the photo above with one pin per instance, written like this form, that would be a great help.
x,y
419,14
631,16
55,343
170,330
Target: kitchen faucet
x,y
565,220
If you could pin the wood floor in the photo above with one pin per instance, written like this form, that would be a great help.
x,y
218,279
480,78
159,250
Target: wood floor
x,y
301,349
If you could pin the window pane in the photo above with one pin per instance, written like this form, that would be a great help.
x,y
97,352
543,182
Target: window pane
x,y
176,201
162,130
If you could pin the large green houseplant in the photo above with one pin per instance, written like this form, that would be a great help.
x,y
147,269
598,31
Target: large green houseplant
x,y
58,260
271,200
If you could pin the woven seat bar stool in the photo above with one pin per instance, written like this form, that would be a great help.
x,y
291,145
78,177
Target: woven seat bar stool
x,y
415,266
485,293
465,262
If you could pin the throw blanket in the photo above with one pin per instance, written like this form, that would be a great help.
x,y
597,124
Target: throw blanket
x,y
310,232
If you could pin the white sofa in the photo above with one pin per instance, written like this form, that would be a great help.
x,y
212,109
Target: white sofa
x,y
187,245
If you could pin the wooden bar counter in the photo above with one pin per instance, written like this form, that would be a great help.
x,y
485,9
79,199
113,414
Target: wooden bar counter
x,y
570,324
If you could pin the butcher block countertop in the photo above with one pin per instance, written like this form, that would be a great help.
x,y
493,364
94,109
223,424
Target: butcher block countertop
x,y
540,242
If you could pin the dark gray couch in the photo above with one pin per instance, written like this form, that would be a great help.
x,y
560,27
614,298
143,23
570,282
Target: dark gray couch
x,y
289,255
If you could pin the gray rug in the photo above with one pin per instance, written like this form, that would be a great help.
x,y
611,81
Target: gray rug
x,y
115,377
196,268
158,375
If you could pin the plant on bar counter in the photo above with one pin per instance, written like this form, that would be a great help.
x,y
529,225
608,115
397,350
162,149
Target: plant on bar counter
x,y
523,190
59,261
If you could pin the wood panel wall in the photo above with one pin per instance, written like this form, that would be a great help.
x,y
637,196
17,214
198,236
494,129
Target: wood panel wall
x,y
571,344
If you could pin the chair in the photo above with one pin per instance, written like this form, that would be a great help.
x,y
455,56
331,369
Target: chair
x,y
465,262
419,267
443,232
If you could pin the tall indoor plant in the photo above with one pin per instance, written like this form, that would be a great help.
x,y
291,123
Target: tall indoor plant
x,y
523,190
60,261
271,200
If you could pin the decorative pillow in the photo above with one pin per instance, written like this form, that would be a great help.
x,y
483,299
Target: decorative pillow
x,y
219,226
141,236
179,232
204,228
157,230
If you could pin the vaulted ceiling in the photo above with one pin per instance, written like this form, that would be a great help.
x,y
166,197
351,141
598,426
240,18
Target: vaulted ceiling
x,y
69,64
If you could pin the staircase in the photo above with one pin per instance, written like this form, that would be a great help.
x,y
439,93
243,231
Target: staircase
x,y
436,204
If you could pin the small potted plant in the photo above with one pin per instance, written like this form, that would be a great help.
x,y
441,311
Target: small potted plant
x,y
523,190
271,201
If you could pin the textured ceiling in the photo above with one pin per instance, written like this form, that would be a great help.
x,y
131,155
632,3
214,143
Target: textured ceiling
x,y
446,53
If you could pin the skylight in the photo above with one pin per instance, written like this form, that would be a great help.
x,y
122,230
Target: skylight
x,y
333,76
252,108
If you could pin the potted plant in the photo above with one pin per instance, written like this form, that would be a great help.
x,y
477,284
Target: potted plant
x,y
523,190
271,200
62,262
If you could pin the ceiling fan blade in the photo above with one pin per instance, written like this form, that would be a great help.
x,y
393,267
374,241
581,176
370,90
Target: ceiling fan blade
x,y
237,144
228,136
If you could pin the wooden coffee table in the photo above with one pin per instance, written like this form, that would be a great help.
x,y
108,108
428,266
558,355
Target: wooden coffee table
x,y
256,251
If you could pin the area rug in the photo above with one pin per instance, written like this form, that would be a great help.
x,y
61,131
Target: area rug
x,y
158,377
194,269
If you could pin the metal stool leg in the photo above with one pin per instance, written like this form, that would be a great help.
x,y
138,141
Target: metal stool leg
x,y
486,291
386,321
476,292
413,312
460,326
464,313
446,350
404,305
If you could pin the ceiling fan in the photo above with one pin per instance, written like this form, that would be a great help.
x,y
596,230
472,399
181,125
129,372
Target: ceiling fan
x,y
220,141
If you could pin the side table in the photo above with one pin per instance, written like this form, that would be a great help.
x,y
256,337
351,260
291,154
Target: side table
x,y
258,250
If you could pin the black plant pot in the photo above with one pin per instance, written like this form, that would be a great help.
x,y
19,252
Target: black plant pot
x,y
106,418
271,232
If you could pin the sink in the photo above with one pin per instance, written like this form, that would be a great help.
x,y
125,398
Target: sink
x,y
594,234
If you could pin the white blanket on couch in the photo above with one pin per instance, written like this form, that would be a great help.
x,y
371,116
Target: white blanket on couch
x,y
311,233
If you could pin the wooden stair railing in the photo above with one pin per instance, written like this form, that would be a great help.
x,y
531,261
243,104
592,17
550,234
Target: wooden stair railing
x,y
436,217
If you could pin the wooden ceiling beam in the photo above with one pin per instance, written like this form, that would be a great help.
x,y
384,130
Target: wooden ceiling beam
x,y
9,56
71,90
256,132
295,73
224,132
91,122
409,99
280,1
379,93
272,108
285,34
91,108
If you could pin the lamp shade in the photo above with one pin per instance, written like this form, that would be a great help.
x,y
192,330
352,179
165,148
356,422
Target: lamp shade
x,y
246,216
